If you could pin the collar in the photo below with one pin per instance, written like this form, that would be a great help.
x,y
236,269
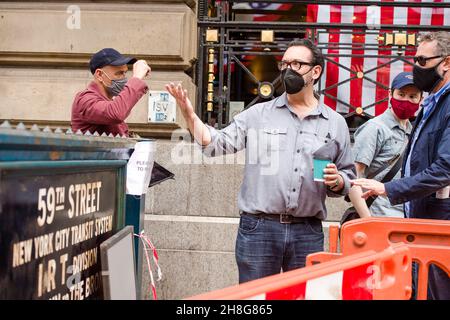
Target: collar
x,y
281,102
392,122
434,97
93,86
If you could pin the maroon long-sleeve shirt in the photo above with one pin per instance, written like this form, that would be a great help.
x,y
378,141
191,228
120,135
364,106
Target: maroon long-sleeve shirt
x,y
92,111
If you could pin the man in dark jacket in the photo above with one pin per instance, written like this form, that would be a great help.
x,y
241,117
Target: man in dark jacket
x,y
426,168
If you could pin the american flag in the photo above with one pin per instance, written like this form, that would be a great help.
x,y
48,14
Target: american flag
x,y
361,92
263,6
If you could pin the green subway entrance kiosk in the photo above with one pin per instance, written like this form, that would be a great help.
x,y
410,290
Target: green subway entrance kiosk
x,y
61,196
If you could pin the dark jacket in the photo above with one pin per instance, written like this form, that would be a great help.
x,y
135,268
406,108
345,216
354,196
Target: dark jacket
x,y
430,166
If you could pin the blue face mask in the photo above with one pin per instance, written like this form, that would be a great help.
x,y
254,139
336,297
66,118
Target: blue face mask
x,y
116,86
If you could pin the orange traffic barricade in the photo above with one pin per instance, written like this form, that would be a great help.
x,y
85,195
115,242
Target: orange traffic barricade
x,y
367,275
428,241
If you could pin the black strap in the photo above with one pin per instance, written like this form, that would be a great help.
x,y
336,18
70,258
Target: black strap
x,y
388,177
381,169
373,175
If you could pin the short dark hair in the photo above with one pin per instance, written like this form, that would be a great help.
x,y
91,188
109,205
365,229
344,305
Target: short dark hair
x,y
317,55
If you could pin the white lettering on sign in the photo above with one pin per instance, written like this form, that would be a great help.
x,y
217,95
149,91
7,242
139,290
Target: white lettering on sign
x,y
50,201
84,198
62,239
46,277
76,291
82,232
22,252
103,225
57,251
63,260
85,260
92,284
43,245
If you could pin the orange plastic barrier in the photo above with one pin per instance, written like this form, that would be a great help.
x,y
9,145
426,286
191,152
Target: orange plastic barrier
x,y
366,275
428,241
333,231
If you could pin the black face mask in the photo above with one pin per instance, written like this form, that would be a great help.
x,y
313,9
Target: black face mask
x,y
293,82
426,79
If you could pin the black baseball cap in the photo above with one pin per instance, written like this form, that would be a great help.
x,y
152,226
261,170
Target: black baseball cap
x,y
108,57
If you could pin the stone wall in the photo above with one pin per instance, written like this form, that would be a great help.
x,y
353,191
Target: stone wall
x,y
45,49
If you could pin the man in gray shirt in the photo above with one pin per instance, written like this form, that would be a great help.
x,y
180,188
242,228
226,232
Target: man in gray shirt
x,y
281,205
380,142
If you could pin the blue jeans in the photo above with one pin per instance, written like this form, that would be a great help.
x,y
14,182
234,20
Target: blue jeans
x,y
438,283
266,247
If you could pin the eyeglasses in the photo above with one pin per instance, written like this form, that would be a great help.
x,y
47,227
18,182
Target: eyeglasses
x,y
422,60
295,65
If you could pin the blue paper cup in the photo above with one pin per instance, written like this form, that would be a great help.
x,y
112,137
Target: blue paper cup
x,y
319,165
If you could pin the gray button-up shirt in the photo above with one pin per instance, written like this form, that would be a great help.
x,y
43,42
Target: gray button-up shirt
x,y
278,175
377,142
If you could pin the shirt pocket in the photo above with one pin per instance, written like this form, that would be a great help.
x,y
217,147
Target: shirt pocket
x,y
272,142
388,151
314,142
274,139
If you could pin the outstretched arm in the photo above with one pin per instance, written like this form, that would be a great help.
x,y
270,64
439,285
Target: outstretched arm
x,y
197,128
355,194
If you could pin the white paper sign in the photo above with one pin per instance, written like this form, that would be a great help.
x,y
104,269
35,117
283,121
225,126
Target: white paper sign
x,y
139,168
162,107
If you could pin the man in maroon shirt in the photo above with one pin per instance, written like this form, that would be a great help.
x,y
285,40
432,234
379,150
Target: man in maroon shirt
x,y
109,98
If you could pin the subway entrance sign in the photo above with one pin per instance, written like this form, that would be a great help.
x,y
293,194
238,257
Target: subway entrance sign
x,y
61,196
